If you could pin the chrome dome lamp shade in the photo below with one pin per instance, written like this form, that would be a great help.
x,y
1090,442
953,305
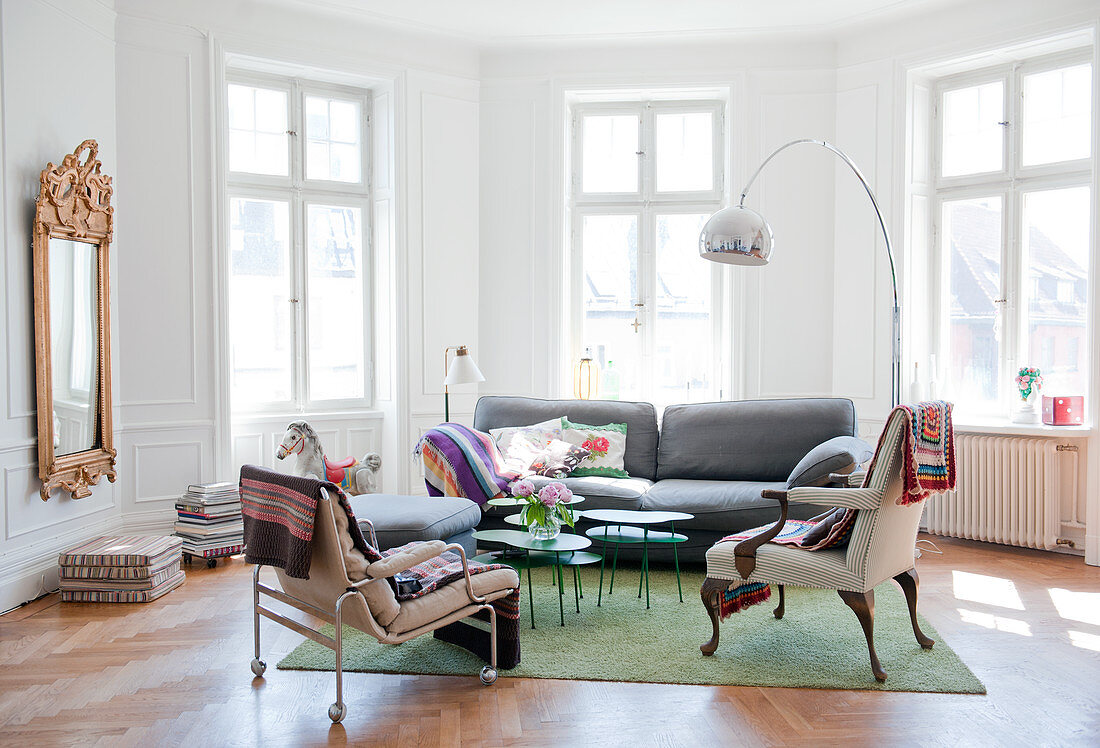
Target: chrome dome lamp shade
x,y
740,236
736,236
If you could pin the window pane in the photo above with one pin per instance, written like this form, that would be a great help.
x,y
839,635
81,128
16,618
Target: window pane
x,y
260,317
335,247
332,134
610,153
257,130
1057,115
610,245
685,148
972,246
684,342
1056,252
973,139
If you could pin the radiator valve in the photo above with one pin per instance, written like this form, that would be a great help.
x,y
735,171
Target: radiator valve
x,y
1066,542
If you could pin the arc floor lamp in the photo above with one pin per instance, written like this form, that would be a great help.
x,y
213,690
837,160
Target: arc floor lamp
x,y
740,236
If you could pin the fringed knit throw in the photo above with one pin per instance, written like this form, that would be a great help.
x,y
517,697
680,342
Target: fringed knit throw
x,y
929,467
459,461
929,451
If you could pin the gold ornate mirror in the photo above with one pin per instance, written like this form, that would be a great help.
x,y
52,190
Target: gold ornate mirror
x,y
73,222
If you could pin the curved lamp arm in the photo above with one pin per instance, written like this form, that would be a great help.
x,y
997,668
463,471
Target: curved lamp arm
x,y
895,383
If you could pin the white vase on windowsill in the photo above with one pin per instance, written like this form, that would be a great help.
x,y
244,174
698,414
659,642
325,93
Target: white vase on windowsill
x,y
1026,411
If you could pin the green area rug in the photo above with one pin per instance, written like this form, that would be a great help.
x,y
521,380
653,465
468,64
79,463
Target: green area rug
x,y
817,644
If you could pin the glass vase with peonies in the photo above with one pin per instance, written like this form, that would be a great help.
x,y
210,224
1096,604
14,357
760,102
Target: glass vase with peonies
x,y
1029,381
544,511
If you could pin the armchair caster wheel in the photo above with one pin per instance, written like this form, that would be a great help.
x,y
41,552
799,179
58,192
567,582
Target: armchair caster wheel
x,y
488,676
337,712
211,563
258,667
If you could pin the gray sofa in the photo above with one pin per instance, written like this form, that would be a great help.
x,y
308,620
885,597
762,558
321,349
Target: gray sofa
x,y
711,460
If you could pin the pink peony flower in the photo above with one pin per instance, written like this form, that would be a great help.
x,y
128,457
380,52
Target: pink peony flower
x,y
521,489
551,494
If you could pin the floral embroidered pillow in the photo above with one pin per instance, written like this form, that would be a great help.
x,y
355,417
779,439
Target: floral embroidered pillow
x,y
559,459
520,445
606,446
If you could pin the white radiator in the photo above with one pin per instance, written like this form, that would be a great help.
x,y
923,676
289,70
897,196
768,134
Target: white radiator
x,y
1007,491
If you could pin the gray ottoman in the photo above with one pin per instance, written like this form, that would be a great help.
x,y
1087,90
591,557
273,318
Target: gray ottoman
x,y
402,519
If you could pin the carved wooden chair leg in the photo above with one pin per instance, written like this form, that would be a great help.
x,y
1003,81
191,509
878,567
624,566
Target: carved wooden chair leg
x,y
782,599
710,593
863,604
909,583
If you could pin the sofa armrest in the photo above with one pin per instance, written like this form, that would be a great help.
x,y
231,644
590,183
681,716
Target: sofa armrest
x,y
399,562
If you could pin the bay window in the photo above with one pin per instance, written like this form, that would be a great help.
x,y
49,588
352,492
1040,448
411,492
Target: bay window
x,y
645,178
297,214
1013,204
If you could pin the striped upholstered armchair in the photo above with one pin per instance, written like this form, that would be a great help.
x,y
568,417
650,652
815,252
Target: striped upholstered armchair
x,y
880,547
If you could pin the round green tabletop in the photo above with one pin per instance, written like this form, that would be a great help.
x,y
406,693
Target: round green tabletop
x,y
512,501
630,534
635,517
523,539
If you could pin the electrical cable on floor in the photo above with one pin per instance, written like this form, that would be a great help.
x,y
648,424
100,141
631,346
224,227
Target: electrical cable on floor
x,y
933,548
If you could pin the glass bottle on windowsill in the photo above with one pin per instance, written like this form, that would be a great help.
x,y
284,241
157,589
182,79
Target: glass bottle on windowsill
x,y
611,382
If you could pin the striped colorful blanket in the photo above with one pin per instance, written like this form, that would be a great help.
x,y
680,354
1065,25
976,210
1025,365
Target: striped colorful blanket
x,y
459,461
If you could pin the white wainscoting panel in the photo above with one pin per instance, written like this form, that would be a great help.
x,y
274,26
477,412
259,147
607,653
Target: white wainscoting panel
x,y
163,471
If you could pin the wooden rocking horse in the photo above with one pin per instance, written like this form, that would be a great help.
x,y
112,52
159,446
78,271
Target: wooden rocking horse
x,y
353,476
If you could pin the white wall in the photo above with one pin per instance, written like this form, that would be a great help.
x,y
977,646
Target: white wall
x,y
57,88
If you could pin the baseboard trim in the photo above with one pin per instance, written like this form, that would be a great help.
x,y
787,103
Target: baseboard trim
x,y
29,572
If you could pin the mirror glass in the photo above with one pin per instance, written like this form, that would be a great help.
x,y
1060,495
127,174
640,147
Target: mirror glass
x,y
74,344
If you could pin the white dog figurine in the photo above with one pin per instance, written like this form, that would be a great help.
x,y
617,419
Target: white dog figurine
x,y
353,476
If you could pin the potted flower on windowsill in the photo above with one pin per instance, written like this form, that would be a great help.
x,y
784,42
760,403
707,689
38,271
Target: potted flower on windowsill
x,y
545,511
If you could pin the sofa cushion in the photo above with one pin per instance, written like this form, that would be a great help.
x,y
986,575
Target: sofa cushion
x,y
721,506
600,492
401,519
841,454
748,440
640,460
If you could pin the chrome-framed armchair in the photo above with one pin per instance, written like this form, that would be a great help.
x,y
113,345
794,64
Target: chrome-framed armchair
x,y
881,547
343,588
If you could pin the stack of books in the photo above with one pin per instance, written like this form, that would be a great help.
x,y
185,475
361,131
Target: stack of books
x,y
209,520
113,569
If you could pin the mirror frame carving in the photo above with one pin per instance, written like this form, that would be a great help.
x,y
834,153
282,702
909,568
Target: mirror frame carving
x,y
74,203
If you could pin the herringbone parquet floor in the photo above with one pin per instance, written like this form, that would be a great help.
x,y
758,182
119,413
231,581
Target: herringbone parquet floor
x,y
175,672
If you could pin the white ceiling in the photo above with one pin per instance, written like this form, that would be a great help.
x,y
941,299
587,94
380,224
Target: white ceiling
x,y
516,20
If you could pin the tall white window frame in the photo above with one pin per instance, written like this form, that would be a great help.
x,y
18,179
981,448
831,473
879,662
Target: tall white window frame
x,y
646,204
299,193
1009,185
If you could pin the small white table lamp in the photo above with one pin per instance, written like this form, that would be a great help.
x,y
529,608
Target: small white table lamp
x,y
459,370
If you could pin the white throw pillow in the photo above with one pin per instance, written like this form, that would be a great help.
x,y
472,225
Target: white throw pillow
x,y
520,445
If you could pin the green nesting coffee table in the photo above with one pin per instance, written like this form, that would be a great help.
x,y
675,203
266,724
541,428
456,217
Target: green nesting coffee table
x,y
564,550
619,528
